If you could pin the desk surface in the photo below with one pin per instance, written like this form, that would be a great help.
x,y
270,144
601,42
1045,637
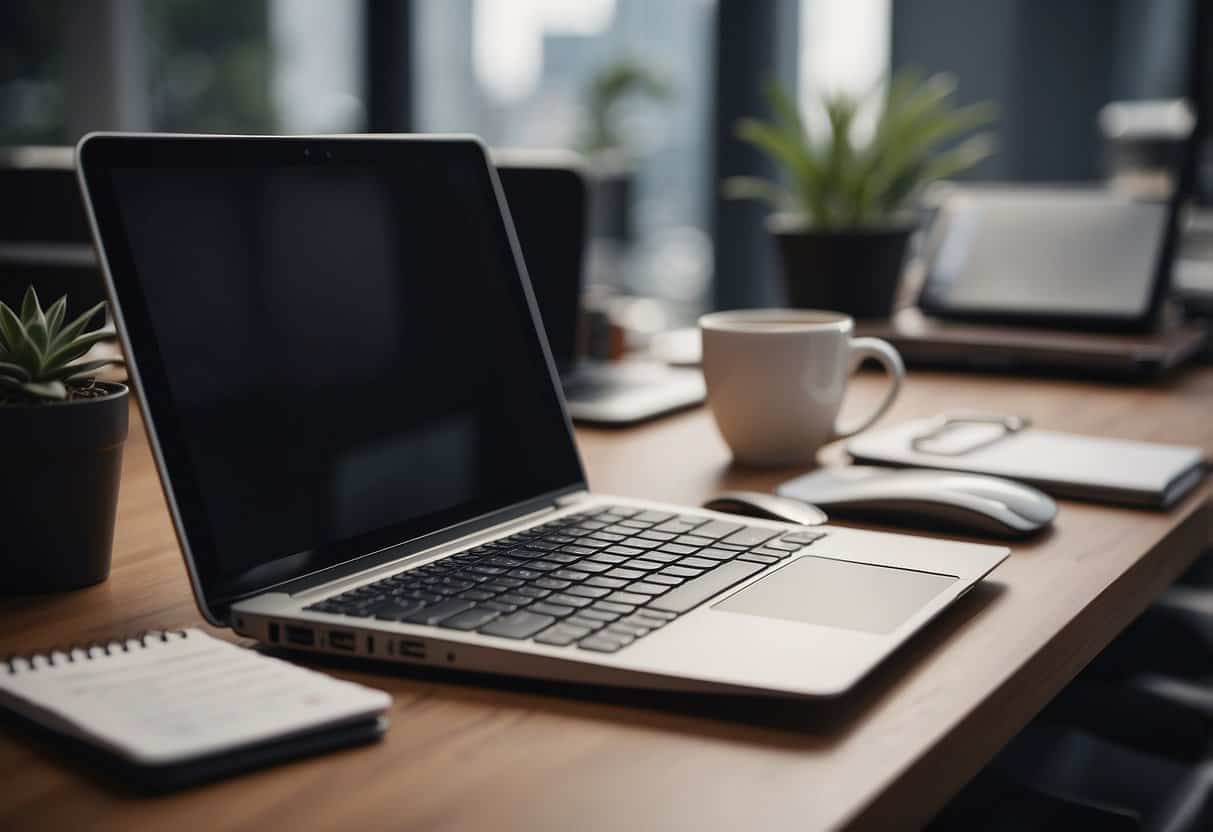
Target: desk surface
x,y
473,754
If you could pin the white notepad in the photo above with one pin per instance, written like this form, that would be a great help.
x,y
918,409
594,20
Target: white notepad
x,y
172,697
1148,474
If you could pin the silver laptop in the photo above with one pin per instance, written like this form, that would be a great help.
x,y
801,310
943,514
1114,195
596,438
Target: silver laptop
x,y
548,192
361,437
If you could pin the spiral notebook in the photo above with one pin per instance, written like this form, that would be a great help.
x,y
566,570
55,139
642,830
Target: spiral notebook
x,y
178,707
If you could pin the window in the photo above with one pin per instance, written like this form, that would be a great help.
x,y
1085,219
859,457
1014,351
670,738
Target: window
x,y
290,66
31,73
519,73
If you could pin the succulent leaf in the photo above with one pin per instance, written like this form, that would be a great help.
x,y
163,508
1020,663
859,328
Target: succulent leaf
x,y
46,389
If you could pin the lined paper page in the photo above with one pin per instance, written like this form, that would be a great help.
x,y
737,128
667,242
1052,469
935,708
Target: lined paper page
x,y
169,700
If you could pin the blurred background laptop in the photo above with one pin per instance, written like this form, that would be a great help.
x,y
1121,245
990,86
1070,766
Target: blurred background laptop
x,y
548,198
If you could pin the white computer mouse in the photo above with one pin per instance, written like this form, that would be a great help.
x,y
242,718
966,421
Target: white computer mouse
x,y
972,503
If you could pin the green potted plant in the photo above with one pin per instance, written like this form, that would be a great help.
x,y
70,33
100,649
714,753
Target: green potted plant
x,y
605,143
843,219
61,435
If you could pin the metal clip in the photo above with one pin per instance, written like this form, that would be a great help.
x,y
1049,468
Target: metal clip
x,y
1009,424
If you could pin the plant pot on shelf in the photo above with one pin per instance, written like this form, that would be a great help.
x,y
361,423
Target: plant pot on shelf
x,y
856,271
59,490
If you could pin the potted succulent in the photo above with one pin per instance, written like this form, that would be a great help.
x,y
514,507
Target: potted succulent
x,y
844,218
605,143
61,435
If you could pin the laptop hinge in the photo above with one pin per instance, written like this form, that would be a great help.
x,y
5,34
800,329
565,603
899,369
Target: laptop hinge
x,y
571,499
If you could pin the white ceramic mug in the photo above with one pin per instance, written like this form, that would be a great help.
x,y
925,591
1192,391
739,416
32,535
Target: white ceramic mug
x,y
776,379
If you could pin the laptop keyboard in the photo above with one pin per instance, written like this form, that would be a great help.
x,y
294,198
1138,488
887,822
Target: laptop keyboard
x,y
598,580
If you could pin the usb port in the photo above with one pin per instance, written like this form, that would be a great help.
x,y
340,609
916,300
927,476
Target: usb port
x,y
340,640
300,635
413,649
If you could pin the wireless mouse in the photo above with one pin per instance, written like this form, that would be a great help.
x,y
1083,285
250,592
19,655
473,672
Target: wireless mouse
x,y
766,506
970,503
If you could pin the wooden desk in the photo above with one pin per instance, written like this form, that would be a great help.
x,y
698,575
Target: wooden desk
x,y
511,755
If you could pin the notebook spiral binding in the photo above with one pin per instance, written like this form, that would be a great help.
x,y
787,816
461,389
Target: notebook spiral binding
x,y
25,662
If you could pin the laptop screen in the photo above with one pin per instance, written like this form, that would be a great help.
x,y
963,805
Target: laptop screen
x,y
548,206
337,349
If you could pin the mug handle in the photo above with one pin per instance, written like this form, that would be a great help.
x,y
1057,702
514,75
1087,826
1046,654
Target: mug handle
x,y
890,359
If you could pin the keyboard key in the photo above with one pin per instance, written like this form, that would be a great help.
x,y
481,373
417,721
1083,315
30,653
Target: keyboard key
x,y
717,529
443,609
525,574
580,620
618,529
605,582
591,591
628,551
647,588
521,624
677,549
476,595
698,563
783,546
639,619
644,564
661,557
682,572
504,562
716,554
694,540
544,565
609,560
674,527
611,606
627,598
634,524
629,574
394,610
750,536
640,543
578,550
500,605
570,575
661,537
595,614
755,558
454,585
501,584
803,538
518,599
567,600
469,619
548,583
591,566
562,557
775,553
625,629
666,580
561,635
555,610
607,537
693,593
659,614
537,592
601,644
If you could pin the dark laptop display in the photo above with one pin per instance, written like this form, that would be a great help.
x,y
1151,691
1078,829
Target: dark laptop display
x,y
548,206
320,329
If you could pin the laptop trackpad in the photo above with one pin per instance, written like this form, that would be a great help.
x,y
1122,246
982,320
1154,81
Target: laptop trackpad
x,y
838,593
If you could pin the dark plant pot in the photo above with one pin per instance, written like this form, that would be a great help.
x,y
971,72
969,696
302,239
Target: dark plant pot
x,y
857,272
59,491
